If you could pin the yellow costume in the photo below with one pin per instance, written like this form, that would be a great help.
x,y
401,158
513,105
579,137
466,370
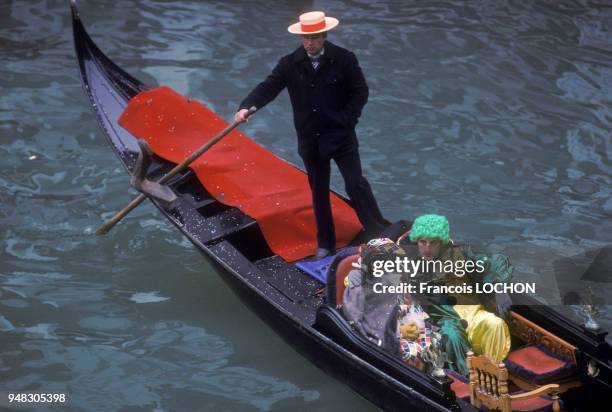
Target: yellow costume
x,y
488,333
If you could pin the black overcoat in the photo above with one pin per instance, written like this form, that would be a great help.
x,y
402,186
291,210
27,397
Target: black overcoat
x,y
326,102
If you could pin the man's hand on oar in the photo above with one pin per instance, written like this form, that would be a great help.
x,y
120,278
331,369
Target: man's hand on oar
x,y
242,115
157,189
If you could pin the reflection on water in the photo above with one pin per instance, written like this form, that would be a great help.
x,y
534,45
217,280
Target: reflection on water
x,y
495,114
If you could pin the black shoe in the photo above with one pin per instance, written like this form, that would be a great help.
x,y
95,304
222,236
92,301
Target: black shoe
x,y
322,252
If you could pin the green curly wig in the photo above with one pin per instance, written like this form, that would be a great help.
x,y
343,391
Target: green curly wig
x,y
430,226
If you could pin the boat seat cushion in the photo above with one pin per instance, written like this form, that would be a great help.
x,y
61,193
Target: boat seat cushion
x,y
536,364
460,384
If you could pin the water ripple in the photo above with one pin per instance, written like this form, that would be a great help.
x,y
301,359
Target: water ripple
x,y
497,114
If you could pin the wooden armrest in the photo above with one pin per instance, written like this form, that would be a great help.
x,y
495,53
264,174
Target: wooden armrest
x,y
551,388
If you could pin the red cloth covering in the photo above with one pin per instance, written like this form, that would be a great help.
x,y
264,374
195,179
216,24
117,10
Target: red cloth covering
x,y
237,171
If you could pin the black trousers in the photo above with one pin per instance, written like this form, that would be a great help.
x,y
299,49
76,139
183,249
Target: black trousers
x,y
357,188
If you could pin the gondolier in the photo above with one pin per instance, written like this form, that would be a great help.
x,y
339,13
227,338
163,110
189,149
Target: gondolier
x,y
327,91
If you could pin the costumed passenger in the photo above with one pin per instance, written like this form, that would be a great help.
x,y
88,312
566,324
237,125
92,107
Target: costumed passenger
x,y
466,323
400,329
373,315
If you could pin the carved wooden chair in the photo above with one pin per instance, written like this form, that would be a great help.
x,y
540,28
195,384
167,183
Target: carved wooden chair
x,y
489,388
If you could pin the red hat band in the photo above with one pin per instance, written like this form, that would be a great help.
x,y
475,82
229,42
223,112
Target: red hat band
x,y
309,28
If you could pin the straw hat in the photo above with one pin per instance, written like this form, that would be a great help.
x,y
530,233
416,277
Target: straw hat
x,y
313,22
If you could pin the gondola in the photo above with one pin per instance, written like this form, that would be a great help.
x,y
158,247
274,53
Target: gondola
x,y
288,300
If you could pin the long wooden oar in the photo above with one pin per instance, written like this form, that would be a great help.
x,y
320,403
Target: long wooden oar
x,y
108,225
